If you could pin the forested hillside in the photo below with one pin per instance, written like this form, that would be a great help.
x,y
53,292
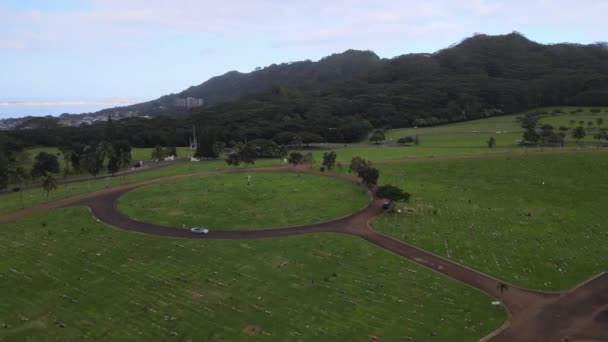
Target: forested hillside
x,y
343,97
480,77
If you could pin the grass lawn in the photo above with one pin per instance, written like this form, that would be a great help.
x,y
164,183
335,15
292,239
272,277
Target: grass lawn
x,y
505,129
445,140
564,120
498,216
66,277
145,153
344,155
10,202
226,202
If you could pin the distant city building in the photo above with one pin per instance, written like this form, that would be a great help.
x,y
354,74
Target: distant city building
x,y
189,102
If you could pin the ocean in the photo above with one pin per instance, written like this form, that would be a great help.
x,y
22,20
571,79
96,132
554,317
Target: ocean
x,y
21,111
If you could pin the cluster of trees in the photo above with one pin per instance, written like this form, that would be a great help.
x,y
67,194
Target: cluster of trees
x,y
536,134
160,153
408,140
114,155
369,177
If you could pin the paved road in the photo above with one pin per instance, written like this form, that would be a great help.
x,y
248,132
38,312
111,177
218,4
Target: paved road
x,y
579,314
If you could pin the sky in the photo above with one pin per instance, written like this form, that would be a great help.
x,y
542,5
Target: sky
x,y
88,50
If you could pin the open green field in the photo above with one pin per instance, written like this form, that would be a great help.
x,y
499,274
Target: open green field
x,y
145,153
376,153
537,221
226,202
10,202
565,120
440,141
505,129
66,277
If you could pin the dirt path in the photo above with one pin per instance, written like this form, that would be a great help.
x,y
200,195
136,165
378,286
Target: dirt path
x,y
579,314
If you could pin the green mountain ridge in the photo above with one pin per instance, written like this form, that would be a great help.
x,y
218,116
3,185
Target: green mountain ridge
x,y
341,98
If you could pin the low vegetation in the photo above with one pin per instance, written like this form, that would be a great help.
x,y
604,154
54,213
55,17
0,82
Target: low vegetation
x,y
85,280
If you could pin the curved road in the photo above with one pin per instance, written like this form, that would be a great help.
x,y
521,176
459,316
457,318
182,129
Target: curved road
x,y
579,314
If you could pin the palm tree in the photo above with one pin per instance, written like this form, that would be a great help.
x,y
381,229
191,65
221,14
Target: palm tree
x,y
93,161
158,153
18,176
124,161
67,157
49,184
502,287
491,142
105,150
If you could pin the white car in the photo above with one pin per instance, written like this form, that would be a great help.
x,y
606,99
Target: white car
x,y
199,230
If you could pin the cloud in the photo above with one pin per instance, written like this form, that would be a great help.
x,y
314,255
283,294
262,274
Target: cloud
x,y
340,23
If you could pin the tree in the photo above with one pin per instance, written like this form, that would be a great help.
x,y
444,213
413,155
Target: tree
x,y
572,122
109,130
357,164
93,161
491,142
105,150
122,149
295,158
378,136
242,153
233,159
599,121
124,161
67,157
207,145
158,153
113,164
44,163
369,176
310,138
247,154
3,171
530,136
329,160
48,184
296,142
284,138
17,175
578,133
75,152
392,193
267,148
172,151
405,140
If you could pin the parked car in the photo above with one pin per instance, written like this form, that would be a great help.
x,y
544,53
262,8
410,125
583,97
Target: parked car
x,y
199,230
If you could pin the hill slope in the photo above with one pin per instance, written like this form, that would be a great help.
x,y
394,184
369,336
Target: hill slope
x,y
233,85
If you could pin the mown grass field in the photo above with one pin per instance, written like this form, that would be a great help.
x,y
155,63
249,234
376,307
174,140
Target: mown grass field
x,y
143,153
10,202
226,202
66,277
505,129
537,221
